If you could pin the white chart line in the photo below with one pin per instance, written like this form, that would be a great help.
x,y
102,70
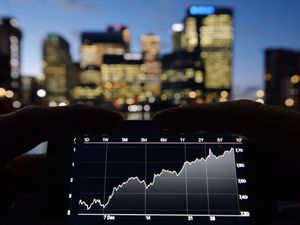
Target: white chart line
x,y
155,177
145,198
186,186
207,187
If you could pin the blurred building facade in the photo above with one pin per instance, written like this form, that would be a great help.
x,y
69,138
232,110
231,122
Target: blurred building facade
x,y
198,69
151,57
10,43
94,46
182,78
110,76
205,38
57,65
122,76
282,77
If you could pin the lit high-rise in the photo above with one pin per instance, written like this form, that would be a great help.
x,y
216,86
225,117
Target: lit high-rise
x,y
200,67
94,45
151,55
208,32
10,43
122,78
56,65
151,50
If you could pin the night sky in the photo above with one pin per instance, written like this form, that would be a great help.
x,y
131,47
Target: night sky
x,y
258,25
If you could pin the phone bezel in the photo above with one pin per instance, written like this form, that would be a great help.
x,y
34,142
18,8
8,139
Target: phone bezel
x,y
261,206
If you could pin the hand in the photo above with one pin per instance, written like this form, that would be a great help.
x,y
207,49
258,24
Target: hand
x,y
275,129
259,123
23,129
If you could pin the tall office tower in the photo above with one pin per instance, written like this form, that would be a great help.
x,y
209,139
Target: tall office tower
x,y
282,77
182,78
56,64
177,29
152,64
208,33
151,50
122,77
94,46
10,39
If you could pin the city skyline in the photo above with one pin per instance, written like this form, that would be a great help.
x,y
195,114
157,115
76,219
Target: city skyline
x,y
252,34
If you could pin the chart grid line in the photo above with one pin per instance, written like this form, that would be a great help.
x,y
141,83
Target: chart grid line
x,y
186,185
207,186
145,198
105,171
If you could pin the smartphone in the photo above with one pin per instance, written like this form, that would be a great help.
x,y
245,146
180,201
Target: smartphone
x,y
143,175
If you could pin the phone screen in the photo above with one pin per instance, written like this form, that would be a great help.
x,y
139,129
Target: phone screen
x,y
142,175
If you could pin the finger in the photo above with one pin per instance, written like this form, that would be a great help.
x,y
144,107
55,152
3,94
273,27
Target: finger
x,y
26,128
27,164
261,123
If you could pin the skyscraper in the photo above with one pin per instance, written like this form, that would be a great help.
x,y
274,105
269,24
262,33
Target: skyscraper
x,y
94,46
177,29
182,78
151,50
56,64
151,56
208,32
200,67
122,77
282,77
10,40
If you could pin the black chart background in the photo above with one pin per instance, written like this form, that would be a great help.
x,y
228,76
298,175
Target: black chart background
x,y
99,167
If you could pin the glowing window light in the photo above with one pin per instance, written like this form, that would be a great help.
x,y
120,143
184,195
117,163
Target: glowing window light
x,y
192,94
62,104
260,100
289,102
16,104
130,101
151,99
260,93
268,77
2,92
52,104
9,94
41,93
147,108
224,94
295,79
